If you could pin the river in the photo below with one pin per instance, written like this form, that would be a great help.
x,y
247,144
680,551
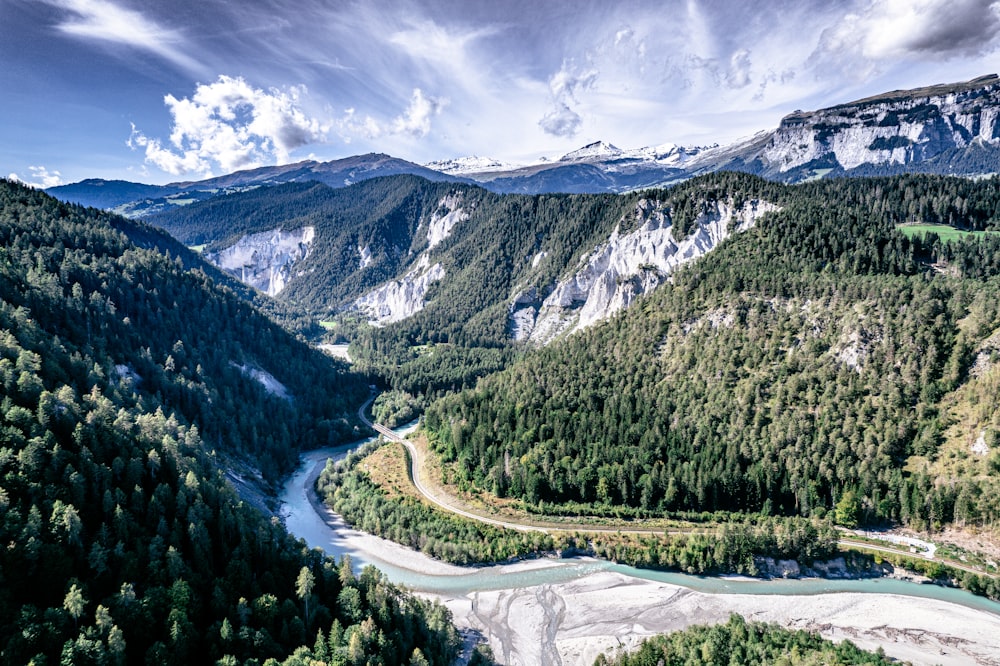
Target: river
x,y
577,603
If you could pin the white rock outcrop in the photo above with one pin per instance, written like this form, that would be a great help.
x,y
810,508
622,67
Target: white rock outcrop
x,y
444,219
627,265
265,379
366,257
264,260
402,298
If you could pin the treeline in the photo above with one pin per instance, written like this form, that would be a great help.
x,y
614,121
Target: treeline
x,y
747,643
733,548
124,543
803,360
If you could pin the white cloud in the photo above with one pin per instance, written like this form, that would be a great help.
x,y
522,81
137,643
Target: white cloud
x,y
890,30
40,178
103,20
565,87
738,74
416,119
231,125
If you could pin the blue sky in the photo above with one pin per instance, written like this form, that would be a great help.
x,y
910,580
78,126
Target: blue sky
x,y
166,91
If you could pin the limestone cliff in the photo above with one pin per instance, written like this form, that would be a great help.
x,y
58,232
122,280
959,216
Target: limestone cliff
x,y
402,298
264,260
627,265
948,128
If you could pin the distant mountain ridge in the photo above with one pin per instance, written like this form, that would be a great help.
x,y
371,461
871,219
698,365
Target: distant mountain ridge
x,y
942,129
138,200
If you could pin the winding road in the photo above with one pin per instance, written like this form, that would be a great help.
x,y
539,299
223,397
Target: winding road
x,y
415,459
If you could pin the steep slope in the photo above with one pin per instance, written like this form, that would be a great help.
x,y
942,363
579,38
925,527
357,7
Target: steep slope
x,y
454,264
125,382
810,359
946,129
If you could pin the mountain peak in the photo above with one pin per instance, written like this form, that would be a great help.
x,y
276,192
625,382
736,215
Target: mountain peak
x,y
597,149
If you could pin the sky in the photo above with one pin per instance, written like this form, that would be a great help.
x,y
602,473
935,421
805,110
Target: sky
x,y
165,91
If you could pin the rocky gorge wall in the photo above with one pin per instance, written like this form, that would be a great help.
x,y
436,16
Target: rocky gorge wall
x,y
624,267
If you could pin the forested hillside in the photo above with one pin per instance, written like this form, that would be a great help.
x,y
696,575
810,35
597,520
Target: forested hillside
x,y
813,363
483,258
125,383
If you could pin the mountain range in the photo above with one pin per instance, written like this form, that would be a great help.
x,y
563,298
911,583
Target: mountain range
x,y
943,129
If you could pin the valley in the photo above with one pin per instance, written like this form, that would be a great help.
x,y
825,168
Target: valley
x,y
645,389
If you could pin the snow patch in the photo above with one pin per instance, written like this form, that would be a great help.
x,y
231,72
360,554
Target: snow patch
x,y
626,266
470,165
264,260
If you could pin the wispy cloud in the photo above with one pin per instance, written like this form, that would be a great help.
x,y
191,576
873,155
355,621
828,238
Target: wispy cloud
x,y
231,125
105,21
40,177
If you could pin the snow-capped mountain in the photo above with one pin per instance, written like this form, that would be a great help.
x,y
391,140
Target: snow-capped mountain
x,y
599,150
473,164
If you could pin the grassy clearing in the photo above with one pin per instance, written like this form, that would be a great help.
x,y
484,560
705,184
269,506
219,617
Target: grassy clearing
x,y
387,467
329,325
197,248
944,231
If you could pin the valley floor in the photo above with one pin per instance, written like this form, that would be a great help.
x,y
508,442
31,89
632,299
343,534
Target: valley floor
x,y
571,623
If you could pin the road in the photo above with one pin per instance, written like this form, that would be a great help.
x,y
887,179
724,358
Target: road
x,y
414,456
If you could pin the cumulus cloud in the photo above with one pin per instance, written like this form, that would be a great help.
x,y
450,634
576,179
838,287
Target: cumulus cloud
x,y
561,121
565,87
923,29
102,20
40,177
231,125
416,119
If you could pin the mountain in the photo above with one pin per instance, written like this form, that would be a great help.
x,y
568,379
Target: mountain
x,y
943,129
137,200
595,168
461,166
131,389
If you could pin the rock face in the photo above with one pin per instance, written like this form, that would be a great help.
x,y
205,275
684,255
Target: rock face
x,y
444,219
627,265
950,128
264,260
402,298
